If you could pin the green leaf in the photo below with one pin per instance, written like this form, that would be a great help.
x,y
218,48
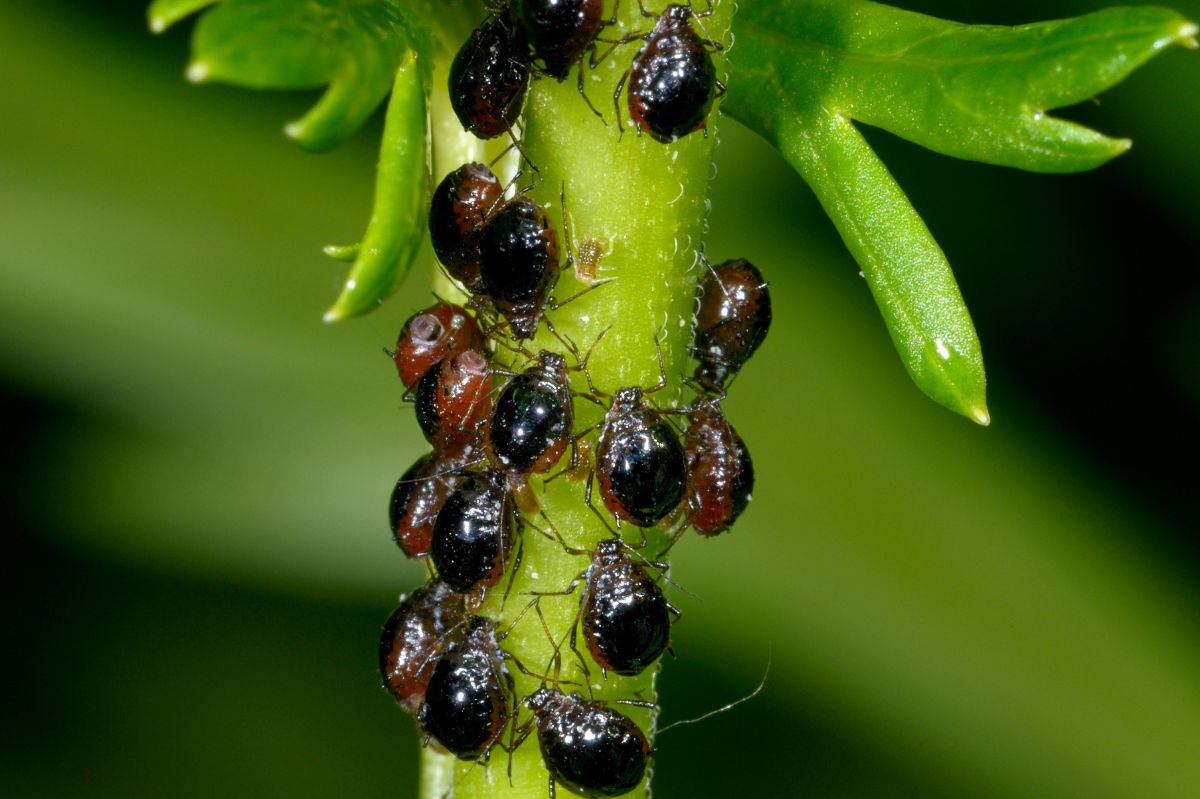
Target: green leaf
x,y
804,70
353,46
397,219
162,14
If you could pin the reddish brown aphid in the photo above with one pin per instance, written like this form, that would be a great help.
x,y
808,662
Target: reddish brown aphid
x,y
412,638
453,401
720,472
418,496
440,331
732,318
639,462
457,214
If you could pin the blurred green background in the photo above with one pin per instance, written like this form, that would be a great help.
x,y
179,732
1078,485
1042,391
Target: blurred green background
x,y
198,563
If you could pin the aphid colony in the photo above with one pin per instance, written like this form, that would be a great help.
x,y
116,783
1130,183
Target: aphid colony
x,y
672,80
459,507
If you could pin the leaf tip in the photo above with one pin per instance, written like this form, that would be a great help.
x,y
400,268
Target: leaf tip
x,y
980,416
157,24
1186,35
341,252
198,71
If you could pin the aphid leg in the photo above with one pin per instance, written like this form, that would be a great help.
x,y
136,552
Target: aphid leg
x,y
583,666
646,13
705,13
587,500
524,157
583,367
662,368
516,565
613,21
617,103
583,93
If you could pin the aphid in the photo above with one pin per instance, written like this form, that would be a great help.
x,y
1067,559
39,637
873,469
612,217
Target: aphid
x,y
593,750
457,213
559,32
489,78
640,463
469,696
412,638
625,618
587,260
440,331
720,472
520,264
732,318
672,80
453,401
474,535
531,420
418,496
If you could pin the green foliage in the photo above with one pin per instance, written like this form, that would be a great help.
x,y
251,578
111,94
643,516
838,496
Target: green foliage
x,y
353,46
805,70
387,250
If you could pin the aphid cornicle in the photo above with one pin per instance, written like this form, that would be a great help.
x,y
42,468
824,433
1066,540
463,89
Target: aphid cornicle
x,y
732,318
474,534
453,402
531,420
489,78
412,638
418,496
457,213
520,264
672,80
593,750
640,464
720,472
469,696
559,32
441,330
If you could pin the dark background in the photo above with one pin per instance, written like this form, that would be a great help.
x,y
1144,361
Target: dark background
x,y
197,469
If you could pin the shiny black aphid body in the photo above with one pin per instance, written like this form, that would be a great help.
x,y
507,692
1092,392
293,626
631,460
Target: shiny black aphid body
x,y
626,620
559,31
672,80
468,698
489,78
639,461
457,213
587,747
531,420
732,318
473,534
520,263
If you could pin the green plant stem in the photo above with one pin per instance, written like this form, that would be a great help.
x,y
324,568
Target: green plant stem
x,y
646,204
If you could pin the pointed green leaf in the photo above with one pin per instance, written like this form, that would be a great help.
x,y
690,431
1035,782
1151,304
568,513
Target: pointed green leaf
x,y
397,219
804,70
162,14
352,46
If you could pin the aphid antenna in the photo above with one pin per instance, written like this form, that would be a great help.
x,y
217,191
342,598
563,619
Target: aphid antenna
x,y
761,685
554,304
517,558
462,471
